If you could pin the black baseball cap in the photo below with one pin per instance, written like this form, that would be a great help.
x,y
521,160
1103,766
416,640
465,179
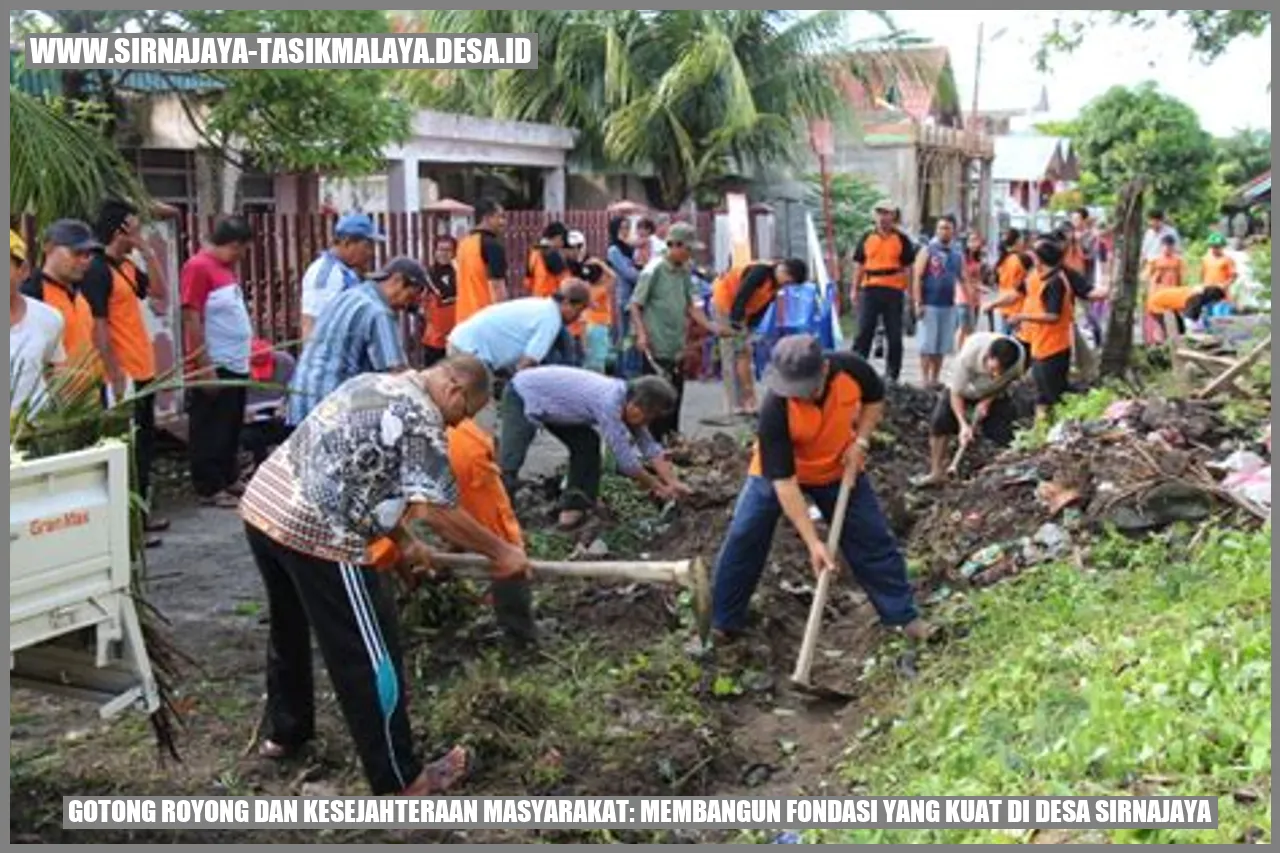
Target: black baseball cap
x,y
412,271
795,368
73,234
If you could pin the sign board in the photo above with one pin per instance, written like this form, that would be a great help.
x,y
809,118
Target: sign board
x,y
739,228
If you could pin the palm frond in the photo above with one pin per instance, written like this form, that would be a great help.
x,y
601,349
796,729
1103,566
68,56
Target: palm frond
x,y
59,166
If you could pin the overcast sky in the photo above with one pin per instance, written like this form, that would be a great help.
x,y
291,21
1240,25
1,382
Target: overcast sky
x,y
1231,93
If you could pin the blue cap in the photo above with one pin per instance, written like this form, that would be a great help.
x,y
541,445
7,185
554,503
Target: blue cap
x,y
359,226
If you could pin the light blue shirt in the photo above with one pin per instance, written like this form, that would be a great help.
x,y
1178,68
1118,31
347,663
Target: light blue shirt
x,y
502,334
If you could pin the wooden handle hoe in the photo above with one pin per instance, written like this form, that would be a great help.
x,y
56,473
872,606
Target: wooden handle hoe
x,y
800,680
691,574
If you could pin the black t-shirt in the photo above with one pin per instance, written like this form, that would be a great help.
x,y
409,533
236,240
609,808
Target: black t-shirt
x,y
443,281
1055,294
777,454
494,254
99,280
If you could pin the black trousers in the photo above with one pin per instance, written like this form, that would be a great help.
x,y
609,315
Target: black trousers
x,y
996,427
1052,377
879,304
582,441
352,611
431,355
674,369
261,437
144,438
215,416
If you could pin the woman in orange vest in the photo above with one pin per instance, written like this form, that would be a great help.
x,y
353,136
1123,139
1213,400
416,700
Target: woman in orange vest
x,y
482,496
815,426
593,331
1011,272
1047,315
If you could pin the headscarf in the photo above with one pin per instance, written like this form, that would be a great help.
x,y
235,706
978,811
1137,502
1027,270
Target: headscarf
x,y
615,229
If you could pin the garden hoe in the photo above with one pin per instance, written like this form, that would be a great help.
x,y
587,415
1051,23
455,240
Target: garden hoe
x,y
691,574
800,680
954,467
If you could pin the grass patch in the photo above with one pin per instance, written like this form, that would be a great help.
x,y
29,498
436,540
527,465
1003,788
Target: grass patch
x,y
1090,406
1150,675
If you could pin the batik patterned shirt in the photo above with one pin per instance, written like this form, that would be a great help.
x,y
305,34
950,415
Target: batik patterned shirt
x,y
352,467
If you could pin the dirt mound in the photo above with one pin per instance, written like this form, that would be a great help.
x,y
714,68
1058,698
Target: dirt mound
x,y
1141,468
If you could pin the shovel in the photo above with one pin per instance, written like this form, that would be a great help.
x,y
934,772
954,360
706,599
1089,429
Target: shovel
x,y
691,574
800,679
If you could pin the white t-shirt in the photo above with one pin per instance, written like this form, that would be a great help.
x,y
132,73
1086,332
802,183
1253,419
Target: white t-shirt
x,y
35,342
324,279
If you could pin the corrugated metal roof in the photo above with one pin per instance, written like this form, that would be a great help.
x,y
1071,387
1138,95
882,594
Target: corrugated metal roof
x,y
1024,158
48,81
1258,188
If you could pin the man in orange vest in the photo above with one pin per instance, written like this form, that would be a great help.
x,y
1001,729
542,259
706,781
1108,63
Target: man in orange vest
x,y
883,275
69,245
815,425
482,262
741,298
545,268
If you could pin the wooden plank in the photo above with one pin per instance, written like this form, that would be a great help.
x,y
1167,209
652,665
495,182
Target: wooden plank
x,y
1229,377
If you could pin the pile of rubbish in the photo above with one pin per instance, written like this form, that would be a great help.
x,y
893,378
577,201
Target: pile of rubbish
x,y
1146,464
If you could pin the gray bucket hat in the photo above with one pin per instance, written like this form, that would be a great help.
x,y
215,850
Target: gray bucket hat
x,y
795,368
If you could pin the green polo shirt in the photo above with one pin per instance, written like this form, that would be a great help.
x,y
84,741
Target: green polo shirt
x,y
665,292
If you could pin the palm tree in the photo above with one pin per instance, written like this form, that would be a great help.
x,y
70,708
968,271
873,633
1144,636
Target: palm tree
x,y
684,96
61,165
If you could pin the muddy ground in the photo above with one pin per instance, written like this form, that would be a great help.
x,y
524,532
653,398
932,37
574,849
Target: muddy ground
x,y
612,702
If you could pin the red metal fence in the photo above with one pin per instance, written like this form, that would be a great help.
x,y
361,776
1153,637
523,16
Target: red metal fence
x,y
285,244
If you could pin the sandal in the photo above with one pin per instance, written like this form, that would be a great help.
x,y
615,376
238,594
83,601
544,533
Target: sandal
x,y
273,751
927,481
442,774
571,519
155,525
222,500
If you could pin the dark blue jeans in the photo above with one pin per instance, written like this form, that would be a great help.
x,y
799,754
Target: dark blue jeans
x,y
867,543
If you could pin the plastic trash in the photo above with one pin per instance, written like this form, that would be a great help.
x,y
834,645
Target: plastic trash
x,y
982,559
1120,410
787,838
1253,486
1241,462
1053,539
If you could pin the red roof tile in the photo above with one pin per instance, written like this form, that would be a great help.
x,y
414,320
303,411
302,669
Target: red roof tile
x,y
908,78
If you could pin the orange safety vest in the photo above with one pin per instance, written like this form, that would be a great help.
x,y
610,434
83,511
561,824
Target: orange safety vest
x,y
820,432
724,292
540,281
480,491
886,264
1009,276
128,332
1048,339
1169,299
600,310
1217,271
473,276
77,329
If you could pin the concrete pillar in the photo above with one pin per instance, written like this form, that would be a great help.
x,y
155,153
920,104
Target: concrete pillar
x,y
403,187
553,190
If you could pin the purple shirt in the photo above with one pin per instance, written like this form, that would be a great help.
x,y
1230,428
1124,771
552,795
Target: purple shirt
x,y
573,396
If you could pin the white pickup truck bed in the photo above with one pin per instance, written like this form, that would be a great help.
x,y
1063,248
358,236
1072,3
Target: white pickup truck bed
x,y
73,625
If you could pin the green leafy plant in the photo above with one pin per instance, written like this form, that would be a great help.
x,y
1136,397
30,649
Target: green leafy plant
x,y
1151,677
